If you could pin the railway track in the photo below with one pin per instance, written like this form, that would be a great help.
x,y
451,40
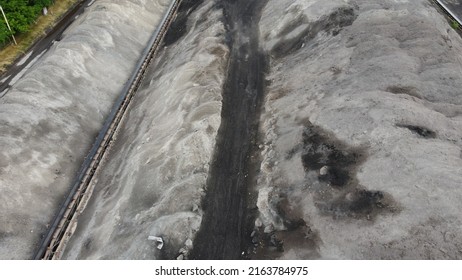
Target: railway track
x,y
65,222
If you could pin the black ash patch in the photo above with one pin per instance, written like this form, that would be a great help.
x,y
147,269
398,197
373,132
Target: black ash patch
x,y
321,150
335,176
419,130
364,201
179,27
408,90
88,244
340,195
357,203
332,23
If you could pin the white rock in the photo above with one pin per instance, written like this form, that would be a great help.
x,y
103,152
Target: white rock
x,y
158,240
258,223
189,243
195,208
268,229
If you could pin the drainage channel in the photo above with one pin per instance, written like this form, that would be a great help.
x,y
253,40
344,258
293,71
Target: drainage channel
x,y
224,232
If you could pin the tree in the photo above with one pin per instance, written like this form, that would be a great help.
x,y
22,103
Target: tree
x,y
21,14
41,3
4,33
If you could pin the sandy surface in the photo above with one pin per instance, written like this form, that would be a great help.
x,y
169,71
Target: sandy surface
x,y
156,174
50,117
361,131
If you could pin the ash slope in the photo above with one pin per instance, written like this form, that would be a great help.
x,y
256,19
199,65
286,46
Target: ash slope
x,y
361,132
155,176
50,117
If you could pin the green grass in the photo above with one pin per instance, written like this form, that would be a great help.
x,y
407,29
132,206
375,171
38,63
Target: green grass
x,y
11,52
455,24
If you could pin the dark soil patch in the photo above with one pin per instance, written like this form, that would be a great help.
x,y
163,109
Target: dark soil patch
x,y
332,23
224,232
321,150
335,176
179,27
411,91
340,194
419,130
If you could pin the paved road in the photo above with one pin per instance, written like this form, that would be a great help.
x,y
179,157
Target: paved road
x,y
22,64
455,6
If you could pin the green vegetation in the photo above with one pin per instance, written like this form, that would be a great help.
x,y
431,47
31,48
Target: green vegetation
x,y
10,52
21,14
455,24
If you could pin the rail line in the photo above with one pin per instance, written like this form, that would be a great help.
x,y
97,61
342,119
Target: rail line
x,y
65,222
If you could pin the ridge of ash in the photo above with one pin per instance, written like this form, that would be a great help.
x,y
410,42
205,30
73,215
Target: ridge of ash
x,y
339,193
224,230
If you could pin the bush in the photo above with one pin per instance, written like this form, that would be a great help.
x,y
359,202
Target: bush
x,y
21,14
4,33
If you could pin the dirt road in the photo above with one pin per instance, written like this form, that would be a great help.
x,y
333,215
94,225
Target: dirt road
x,y
223,230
